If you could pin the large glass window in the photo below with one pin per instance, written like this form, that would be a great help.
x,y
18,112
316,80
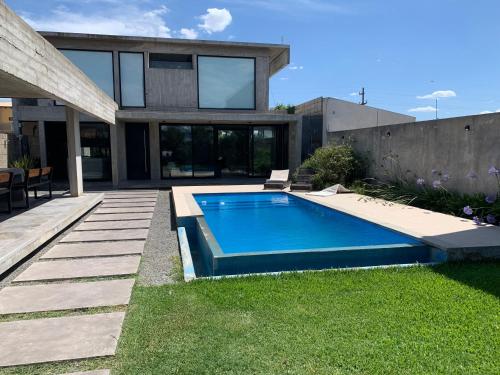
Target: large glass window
x,y
226,82
97,65
203,150
132,79
96,151
176,151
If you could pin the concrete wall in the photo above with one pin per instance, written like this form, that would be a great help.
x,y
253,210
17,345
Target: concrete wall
x,y
9,149
455,146
175,89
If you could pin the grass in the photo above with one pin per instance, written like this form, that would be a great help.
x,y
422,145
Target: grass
x,y
420,320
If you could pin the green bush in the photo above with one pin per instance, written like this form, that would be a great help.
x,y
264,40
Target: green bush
x,y
25,162
333,165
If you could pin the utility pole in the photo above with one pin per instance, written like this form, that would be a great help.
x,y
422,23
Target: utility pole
x,y
362,93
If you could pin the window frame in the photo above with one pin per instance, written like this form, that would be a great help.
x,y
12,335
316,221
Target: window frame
x,y
228,57
171,54
93,50
143,78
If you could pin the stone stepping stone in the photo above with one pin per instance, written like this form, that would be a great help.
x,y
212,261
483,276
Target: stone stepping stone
x,y
94,249
122,210
95,372
79,268
59,339
119,224
66,296
106,235
125,204
130,200
122,216
131,195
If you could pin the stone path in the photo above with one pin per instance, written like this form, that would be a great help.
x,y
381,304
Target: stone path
x,y
109,243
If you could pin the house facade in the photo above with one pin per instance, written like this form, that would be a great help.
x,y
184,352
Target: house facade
x,y
187,109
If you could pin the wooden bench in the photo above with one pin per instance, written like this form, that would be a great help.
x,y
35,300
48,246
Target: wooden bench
x,y
33,180
6,180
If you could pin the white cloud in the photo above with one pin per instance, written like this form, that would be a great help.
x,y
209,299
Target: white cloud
x,y
121,20
498,110
439,94
295,67
215,20
292,6
284,78
188,33
425,109
354,94
484,112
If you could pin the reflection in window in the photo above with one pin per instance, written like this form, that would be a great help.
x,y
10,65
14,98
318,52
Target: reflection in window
x,y
97,65
96,151
132,79
203,150
176,151
226,83
264,150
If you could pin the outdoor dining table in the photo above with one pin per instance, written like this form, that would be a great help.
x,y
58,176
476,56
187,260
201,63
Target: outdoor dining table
x,y
18,194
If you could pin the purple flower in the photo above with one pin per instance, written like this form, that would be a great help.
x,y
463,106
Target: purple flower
x,y
420,181
435,171
472,175
491,219
477,220
436,184
467,210
490,199
493,171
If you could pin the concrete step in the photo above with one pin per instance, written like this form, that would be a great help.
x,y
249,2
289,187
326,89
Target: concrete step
x,y
94,249
106,235
110,225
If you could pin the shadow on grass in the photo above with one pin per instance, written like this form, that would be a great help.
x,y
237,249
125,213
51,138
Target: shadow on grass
x,y
483,276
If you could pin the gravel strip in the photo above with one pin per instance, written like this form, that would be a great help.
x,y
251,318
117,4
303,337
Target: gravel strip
x,y
161,258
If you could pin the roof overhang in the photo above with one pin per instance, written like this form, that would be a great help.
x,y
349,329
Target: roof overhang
x,y
31,67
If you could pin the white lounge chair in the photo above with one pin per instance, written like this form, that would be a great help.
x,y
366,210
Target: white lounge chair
x,y
332,190
278,179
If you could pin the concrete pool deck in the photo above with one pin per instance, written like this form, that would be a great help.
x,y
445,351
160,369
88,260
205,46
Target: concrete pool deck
x,y
458,236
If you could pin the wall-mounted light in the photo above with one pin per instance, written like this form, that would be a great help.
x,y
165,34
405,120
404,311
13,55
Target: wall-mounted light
x,y
467,128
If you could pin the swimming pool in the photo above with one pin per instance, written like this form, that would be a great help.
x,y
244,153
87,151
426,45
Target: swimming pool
x,y
264,232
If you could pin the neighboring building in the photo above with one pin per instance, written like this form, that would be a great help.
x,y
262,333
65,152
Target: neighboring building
x,y
187,109
325,115
5,117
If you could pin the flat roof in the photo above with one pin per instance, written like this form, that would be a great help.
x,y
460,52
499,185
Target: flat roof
x,y
279,53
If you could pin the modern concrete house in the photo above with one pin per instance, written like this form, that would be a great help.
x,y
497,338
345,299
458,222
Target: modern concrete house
x,y
187,109
323,116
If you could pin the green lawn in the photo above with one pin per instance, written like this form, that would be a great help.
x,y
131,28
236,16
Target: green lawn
x,y
441,320
398,321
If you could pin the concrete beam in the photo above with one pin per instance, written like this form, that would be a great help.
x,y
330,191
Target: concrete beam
x,y
31,67
74,152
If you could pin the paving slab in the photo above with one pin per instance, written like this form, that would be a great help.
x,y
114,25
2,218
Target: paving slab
x,y
129,199
59,339
127,204
122,216
118,224
121,210
20,235
65,296
79,268
95,372
106,235
94,249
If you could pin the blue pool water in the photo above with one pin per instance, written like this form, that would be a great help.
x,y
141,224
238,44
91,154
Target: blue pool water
x,y
263,222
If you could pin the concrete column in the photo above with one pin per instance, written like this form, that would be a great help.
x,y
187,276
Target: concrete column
x,y
115,170
41,143
74,152
154,150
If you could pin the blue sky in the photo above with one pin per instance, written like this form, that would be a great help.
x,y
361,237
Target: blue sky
x,y
398,50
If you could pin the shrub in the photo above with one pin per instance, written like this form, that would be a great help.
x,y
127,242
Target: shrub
x,y
25,162
334,164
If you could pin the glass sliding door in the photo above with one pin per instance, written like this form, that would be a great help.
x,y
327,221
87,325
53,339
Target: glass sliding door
x,y
176,151
203,150
96,151
263,146
232,151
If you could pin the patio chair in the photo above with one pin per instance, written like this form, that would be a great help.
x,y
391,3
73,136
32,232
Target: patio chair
x,y
6,179
33,180
332,190
278,179
303,180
